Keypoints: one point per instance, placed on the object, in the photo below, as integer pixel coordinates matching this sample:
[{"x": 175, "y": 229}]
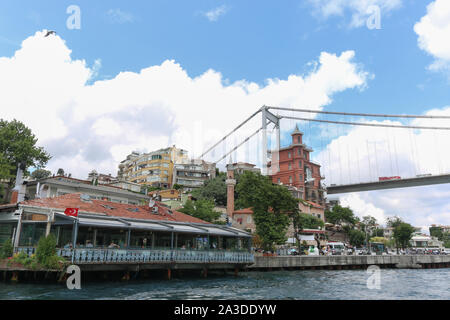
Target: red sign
[
  {"x": 389, "y": 178},
  {"x": 73, "y": 212}
]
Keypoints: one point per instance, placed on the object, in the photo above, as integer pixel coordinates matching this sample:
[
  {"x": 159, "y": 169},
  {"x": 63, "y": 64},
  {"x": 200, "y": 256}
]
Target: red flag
[{"x": 73, "y": 212}]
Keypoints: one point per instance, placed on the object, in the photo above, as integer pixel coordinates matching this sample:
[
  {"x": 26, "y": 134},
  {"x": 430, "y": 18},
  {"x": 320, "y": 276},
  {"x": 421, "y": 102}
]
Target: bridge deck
[{"x": 390, "y": 184}]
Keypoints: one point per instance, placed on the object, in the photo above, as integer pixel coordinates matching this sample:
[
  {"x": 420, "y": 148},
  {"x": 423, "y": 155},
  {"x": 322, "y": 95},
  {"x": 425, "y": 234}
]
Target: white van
[{"x": 336, "y": 248}]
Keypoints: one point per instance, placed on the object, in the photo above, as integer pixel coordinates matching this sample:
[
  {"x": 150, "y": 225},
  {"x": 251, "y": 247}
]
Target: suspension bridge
[{"x": 356, "y": 152}]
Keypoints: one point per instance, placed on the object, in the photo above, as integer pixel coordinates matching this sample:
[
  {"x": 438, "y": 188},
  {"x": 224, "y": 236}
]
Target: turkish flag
[{"x": 73, "y": 212}]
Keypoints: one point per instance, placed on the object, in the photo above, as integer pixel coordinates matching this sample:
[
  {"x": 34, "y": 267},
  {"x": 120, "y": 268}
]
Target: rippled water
[{"x": 314, "y": 284}]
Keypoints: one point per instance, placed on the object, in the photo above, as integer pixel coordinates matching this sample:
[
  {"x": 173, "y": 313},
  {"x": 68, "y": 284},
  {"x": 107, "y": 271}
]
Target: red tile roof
[
  {"x": 73, "y": 200},
  {"x": 315, "y": 205}
]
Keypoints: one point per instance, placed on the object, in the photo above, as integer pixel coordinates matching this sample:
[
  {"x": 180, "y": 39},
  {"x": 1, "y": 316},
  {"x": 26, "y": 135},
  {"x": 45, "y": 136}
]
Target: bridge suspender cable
[
  {"x": 365, "y": 114},
  {"x": 240, "y": 144},
  {"x": 234, "y": 130},
  {"x": 368, "y": 124}
]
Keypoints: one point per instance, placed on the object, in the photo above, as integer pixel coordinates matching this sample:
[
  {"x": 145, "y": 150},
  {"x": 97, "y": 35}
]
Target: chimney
[
  {"x": 230, "y": 182},
  {"x": 18, "y": 193}
]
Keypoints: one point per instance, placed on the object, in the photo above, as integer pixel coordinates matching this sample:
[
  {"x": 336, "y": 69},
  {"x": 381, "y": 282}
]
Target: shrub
[
  {"x": 46, "y": 253},
  {"x": 46, "y": 248},
  {"x": 6, "y": 250}
]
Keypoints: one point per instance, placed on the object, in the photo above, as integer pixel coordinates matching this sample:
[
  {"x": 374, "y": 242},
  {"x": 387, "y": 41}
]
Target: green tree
[
  {"x": 40, "y": 174},
  {"x": 272, "y": 207},
  {"x": 214, "y": 189},
  {"x": 402, "y": 232},
  {"x": 177, "y": 186},
  {"x": 437, "y": 232},
  {"x": 201, "y": 209},
  {"x": 18, "y": 146},
  {"x": 356, "y": 237},
  {"x": 339, "y": 215}
]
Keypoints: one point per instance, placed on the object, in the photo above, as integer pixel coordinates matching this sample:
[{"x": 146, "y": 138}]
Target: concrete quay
[{"x": 349, "y": 262}]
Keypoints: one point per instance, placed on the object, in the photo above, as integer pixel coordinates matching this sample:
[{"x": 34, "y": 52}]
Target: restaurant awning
[{"x": 152, "y": 225}]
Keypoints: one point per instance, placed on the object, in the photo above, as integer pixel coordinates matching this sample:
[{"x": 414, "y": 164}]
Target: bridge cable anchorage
[
  {"x": 369, "y": 124},
  {"x": 229, "y": 134},
  {"x": 363, "y": 114},
  {"x": 240, "y": 144}
]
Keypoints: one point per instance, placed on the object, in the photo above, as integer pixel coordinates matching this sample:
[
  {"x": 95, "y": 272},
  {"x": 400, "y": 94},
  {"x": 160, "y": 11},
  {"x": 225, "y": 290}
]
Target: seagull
[{"x": 49, "y": 32}]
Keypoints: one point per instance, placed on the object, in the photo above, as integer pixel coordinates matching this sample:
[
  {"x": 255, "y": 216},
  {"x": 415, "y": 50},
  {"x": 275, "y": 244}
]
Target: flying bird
[{"x": 49, "y": 32}]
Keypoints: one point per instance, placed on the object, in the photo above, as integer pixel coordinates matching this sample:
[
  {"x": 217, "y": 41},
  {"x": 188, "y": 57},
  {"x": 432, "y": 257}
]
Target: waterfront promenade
[{"x": 350, "y": 262}]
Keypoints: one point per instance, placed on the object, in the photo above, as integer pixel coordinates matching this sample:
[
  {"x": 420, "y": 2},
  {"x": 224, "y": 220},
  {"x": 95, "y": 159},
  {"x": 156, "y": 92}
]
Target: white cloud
[
  {"x": 362, "y": 208},
  {"x": 119, "y": 16},
  {"x": 364, "y": 154},
  {"x": 86, "y": 126},
  {"x": 359, "y": 9},
  {"x": 214, "y": 14},
  {"x": 433, "y": 30}
]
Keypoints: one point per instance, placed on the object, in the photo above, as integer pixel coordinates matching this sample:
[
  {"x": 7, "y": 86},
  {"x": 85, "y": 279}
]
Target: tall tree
[
  {"x": 214, "y": 189},
  {"x": 271, "y": 204},
  {"x": 402, "y": 232},
  {"x": 40, "y": 174},
  {"x": 339, "y": 215},
  {"x": 356, "y": 237},
  {"x": 18, "y": 146}
]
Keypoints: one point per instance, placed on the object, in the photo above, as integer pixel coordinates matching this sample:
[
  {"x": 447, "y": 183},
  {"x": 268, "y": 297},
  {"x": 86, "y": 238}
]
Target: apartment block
[
  {"x": 153, "y": 168},
  {"x": 193, "y": 174}
]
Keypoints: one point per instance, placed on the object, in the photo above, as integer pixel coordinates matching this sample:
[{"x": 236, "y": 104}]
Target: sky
[{"x": 122, "y": 76}]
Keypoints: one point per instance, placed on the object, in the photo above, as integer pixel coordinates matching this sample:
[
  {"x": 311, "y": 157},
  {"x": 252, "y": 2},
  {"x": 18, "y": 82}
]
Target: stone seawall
[{"x": 350, "y": 262}]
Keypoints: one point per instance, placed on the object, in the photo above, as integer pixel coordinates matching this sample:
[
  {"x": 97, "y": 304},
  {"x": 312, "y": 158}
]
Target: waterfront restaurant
[{"x": 105, "y": 231}]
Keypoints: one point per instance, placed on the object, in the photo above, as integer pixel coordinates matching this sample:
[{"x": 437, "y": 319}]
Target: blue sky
[
  {"x": 248, "y": 41},
  {"x": 175, "y": 43}
]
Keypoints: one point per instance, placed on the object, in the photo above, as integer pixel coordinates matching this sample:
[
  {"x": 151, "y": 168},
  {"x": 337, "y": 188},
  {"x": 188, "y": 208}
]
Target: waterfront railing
[{"x": 114, "y": 256}]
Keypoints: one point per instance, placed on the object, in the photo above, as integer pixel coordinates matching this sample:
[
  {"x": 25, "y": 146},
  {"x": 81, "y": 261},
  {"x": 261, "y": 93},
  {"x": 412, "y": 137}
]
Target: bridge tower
[{"x": 267, "y": 118}]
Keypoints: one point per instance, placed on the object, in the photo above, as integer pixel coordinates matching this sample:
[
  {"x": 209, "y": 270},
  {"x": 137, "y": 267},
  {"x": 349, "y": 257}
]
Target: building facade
[
  {"x": 59, "y": 185},
  {"x": 152, "y": 169},
  {"x": 193, "y": 174},
  {"x": 105, "y": 232},
  {"x": 297, "y": 170},
  {"x": 241, "y": 167}
]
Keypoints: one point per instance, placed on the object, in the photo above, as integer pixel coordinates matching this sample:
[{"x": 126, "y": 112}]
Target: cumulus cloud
[
  {"x": 215, "y": 14},
  {"x": 88, "y": 125},
  {"x": 433, "y": 31},
  {"x": 363, "y": 154},
  {"x": 360, "y": 10}
]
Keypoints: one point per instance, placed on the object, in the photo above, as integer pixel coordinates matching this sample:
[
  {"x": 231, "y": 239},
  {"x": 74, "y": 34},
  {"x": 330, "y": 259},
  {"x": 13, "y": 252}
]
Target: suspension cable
[
  {"x": 364, "y": 114},
  {"x": 240, "y": 144},
  {"x": 229, "y": 134},
  {"x": 369, "y": 124}
]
